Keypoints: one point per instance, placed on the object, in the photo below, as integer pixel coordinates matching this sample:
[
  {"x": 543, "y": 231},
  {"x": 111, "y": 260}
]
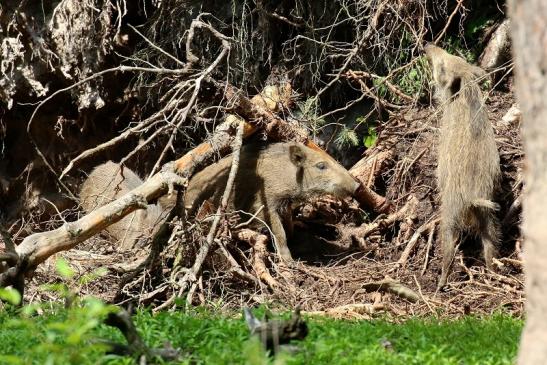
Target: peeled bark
[{"x": 529, "y": 19}]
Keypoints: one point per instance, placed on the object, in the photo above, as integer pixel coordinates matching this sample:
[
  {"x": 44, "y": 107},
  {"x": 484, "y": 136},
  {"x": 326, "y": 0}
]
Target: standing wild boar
[
  {"x": 275, "y": 178},
  {"x": 108, "y": 182},
  {"x": 468, "y": 169}
]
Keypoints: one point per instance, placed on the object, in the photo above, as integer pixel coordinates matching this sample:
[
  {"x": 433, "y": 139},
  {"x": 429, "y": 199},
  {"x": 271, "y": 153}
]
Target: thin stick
[
  {"x": 413, "y": 241},
  {"x": 427, "y": 249},
  {"x": 190, "y": 277},
  {"x": 441, "y": 34}
]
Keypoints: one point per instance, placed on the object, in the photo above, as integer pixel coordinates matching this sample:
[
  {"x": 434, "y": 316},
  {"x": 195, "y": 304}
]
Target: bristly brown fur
[
  {"x": 468, "y": 169},
  {"x": 108, "y": 182},
  {"x": 273, "y": 178}
]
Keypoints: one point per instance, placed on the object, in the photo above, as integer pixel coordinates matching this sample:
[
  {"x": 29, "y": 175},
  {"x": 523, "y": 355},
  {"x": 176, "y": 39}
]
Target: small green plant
[
  {"x": 346, "y": 138},
  {"x": 413, "y": 80},
  {"x": 10, "y": 296},
  {"x": 61, "y": 336},
  {"x": 308, "y": 110},
  {"x": 370, "y": 136}
]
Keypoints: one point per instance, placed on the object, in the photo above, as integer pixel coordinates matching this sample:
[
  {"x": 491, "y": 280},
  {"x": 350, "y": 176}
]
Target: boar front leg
[{"x": 280, "y": 238}]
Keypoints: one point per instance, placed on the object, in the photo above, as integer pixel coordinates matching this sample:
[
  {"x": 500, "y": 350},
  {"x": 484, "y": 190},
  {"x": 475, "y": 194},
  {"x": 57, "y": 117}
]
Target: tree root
[
  {"x": 358, "y": 234},
  {"x": 259, "y": 243},
  {"x": 413, "y": 241}
]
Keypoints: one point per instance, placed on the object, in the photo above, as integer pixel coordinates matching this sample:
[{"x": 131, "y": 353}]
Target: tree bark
[{"x": 529, "y": 20}]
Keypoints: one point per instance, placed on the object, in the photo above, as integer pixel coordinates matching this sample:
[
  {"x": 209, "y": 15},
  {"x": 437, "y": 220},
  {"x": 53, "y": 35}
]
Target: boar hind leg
[
  {"x": 448, "y": 241},
  {"x": 280, "y": 238},
  {"x": 489, "y": 238}
]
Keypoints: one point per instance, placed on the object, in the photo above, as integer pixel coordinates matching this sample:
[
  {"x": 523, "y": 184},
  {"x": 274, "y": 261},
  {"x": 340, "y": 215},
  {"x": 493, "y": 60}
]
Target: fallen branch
[
  {"x": 392, "y": 286},
  {"x": 37, "y": 247}
]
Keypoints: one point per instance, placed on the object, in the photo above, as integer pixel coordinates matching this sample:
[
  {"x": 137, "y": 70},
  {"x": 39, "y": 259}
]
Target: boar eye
[{"x": 321, "y": 165}]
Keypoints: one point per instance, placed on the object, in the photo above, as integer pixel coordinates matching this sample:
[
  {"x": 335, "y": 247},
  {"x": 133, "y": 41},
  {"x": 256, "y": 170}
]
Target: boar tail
[{"x": 485, "y": 203}]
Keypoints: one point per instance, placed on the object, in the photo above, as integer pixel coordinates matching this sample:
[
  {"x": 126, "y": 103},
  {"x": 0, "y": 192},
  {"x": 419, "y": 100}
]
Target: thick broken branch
[{"x": 37, "y": 247}]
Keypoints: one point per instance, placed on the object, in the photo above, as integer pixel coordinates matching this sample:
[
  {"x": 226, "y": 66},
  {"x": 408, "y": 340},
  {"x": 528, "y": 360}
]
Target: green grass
[{"x": 209, "y": 338}]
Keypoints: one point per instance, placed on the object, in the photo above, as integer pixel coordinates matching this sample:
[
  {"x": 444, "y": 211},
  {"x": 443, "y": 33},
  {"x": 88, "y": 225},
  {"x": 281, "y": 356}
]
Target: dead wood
[
  {"x": 392, "y": 286},
  {"x": 358, "y": 234},
  {"x": 513, "y": 115},
  {"x": 368, "y": 168},
  {"x": 498, "y": 49},
  {"x": 413, "y": 241},
  {"x": 259, "y": 243},
  {"x": 357, "y": 310},
  {"x": 37, "y": 247}
]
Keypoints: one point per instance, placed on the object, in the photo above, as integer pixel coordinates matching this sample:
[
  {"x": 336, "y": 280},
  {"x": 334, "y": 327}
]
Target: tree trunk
[{"x": 529, "y": 20}]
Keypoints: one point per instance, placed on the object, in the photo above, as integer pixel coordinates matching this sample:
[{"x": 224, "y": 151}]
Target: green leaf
[
  {"x": 64, "y": 269},
  {"x": 369, "y": 141},
  {"x": 10, "y": 295},
  {"x": 371, "y": 138}
]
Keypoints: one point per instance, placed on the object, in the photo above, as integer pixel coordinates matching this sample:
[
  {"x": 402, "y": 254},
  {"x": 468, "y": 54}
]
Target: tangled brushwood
[{"x": 166, "y": 88}]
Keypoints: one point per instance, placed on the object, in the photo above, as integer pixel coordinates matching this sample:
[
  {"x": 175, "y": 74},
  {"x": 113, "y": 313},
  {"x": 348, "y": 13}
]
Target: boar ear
[
  {"x": 478, "y": 72},
  {"x": 297, "y": 156}
]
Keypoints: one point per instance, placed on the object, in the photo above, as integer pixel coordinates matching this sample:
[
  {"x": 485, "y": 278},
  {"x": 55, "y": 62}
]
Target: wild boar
[
  {"x": 106, "y": 183},
  {"x": 271, "y": 180},
  {"x": 468, "y": 169}
]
